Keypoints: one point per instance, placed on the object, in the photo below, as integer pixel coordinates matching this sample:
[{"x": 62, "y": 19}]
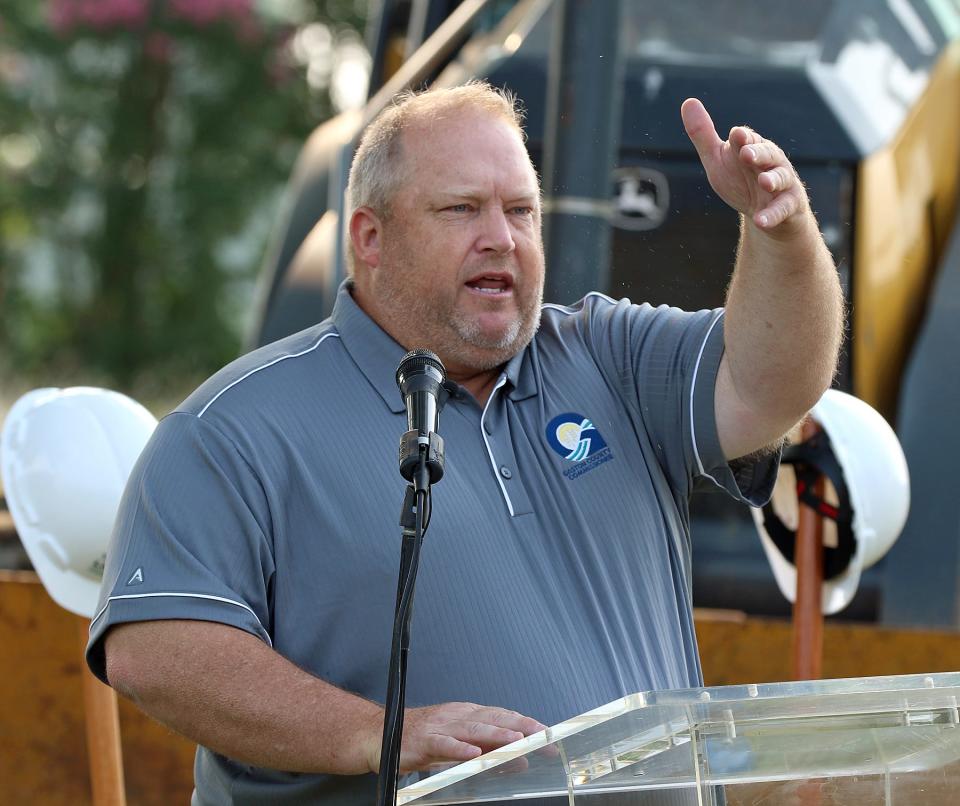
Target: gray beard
[
  {"x": 500, "y": 350},
  {"x": 412, "y": 313}
]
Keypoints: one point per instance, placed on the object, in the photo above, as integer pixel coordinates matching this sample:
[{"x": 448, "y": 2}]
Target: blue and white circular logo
[{"x": 574, "y": 437}]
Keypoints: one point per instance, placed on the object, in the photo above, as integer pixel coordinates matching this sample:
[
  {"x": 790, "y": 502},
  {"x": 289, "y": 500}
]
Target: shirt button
[
  {"x": 487, "y": 427},
  {"x": 505, "y": 472}
]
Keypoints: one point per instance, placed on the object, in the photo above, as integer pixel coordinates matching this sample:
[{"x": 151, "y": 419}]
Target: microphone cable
[{"x": 399, "y": 650}]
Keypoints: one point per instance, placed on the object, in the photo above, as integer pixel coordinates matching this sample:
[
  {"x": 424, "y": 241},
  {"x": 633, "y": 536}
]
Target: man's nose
[{"x": 496, "y": 234}]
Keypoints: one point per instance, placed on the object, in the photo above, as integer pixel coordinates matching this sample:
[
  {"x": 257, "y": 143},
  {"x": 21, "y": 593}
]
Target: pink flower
[
  {"x": 100, "y": 15},
  {"x": 65, "y": 16},
  {"x": 206, "y": 12}
]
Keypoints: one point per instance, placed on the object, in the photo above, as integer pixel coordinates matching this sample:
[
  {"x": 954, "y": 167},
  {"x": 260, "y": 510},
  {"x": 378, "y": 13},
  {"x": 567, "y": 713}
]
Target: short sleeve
[
  {"x": 749, "y": 479},
  {"x": 665, "y": 361},
  {"x": 191, "y": 539}
]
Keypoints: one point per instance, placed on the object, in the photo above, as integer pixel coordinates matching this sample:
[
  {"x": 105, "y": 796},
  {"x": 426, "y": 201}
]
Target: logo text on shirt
[{"x": 577, "y": 440}]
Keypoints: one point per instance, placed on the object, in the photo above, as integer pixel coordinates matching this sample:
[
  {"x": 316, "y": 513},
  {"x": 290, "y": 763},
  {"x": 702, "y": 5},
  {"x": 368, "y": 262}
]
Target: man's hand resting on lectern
[{"x": 451, "y": 732}]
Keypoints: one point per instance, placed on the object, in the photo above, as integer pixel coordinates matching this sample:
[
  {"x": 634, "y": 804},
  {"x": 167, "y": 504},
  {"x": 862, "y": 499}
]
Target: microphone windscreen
[{"x": 417, "y": 361}]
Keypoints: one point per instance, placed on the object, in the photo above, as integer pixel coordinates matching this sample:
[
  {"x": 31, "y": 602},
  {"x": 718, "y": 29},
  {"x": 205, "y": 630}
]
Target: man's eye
[
  {"x": 522, "y": 210},
  {"x": 459, "y": 208}
]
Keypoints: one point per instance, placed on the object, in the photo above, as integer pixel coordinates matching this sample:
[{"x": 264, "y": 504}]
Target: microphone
[
  {"x": 420, "y": 378},
  {"x": 422, "y": 381}
]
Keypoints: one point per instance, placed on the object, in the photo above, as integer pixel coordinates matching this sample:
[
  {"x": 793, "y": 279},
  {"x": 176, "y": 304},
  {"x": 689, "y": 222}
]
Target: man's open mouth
[{"x": 492, "y": 284}]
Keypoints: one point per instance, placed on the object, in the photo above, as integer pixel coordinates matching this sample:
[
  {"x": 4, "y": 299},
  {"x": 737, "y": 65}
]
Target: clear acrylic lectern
[{"x": 873, "y": 740}]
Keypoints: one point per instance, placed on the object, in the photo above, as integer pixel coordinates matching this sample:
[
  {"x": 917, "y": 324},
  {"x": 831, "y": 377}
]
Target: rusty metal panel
[
  {"x": 735, "y": 649},
  {"x": 44, "y": 758}
]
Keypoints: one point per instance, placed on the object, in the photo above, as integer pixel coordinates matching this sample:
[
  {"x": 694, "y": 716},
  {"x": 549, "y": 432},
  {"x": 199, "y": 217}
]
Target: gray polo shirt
[{"x": 555, "y": 575}]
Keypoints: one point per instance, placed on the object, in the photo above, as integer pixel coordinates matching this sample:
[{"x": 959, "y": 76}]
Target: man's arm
[
  {"x": 784, "y": 311},
  {"x": 228, "y": 691}
]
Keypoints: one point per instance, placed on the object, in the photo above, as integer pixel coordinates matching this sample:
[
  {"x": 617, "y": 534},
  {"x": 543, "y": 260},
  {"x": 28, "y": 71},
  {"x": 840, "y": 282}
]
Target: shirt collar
[
  {"x": 520, "y": 375},
  {"x": 373, "y": 351},
  {"x": 377, "y": 354}
]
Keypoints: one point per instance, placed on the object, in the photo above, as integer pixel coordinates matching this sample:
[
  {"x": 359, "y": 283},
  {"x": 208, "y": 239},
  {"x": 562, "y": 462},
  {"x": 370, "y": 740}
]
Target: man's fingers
[
  {"x": 762, "y": 154},
  {"x": 741, "y": 136},
  {"x": 495, "y": 727},
  {"x": 776, "y": 213},
  {"x": 459, "y": 731},
  {"x": 485, "y": 734},
  {"x": 421, "y": 749},
  {"x": 700, "y": 129},
  {"x": 449, "y": 748},
  {"x": 510, "y": 720},
  {"x": 776, "y": 180}
]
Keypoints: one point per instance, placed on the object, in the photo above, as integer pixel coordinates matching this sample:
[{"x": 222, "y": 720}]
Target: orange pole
[
  {"x": 807, "y": 609},
  {"x": 103, "y": 735}
]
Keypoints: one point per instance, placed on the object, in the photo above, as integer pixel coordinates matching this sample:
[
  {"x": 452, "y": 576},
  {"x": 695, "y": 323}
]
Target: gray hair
[{"x": 378, "y": 168}]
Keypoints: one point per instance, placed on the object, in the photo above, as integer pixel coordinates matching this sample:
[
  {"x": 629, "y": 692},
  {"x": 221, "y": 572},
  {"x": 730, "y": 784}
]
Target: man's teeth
[{"x": 489, "y": 285}]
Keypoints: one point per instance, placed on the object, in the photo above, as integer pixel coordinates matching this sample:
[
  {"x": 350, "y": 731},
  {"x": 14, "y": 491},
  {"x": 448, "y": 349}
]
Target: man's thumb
[{"x": 700, "y": 129}]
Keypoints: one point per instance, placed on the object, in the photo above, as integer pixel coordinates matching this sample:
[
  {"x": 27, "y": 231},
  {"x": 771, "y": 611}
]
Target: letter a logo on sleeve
[
  {"x": 136, "y": 578},
  {"x": 576, "y": 439}
]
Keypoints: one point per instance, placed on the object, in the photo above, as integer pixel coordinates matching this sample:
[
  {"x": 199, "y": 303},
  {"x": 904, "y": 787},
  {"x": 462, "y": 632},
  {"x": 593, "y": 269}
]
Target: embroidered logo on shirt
[
  {"x": 577, "y": 440},
  {"x": 136, "y": 578}
]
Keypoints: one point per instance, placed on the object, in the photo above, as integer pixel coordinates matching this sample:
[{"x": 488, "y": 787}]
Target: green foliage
[{"x": 142, "y": 156}]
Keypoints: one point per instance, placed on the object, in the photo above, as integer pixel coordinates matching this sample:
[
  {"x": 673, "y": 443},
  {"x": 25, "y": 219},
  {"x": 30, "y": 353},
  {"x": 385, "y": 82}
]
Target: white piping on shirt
[
  {"x": 483, "y": 433},
  {"x": 565, "y": 308},
  {"x": 693, "y": 391},
  {"x": 264, "y": 366},
  {"x": 181, "y": 595}
]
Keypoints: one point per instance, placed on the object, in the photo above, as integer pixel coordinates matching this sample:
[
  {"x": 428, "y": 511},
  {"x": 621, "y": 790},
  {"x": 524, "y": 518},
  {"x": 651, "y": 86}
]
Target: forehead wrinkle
[
  {"x": 476, "y": 193},
  {"x": 506, "y": 181}
]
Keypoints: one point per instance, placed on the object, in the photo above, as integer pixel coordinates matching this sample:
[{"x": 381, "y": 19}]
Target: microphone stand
[{"x": 414, "y": 519}]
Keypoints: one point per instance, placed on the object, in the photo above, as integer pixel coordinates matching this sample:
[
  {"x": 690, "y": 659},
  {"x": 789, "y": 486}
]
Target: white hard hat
[
  {"x": 861, "y": 458},
  {"x": 65, "y": 455}
]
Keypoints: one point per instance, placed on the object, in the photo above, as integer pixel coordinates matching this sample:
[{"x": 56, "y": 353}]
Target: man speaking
[{"x": 249, "y": 592}]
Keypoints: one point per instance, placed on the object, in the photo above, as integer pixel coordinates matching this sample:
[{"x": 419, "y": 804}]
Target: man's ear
[{"x": 366, "y": 229}]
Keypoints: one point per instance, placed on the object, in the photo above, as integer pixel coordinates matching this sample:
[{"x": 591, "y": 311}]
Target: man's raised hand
[{"x": 749, "y": 173}]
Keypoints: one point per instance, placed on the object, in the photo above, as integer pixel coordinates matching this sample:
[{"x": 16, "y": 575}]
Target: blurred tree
[{"x": 143, "y": 148}]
